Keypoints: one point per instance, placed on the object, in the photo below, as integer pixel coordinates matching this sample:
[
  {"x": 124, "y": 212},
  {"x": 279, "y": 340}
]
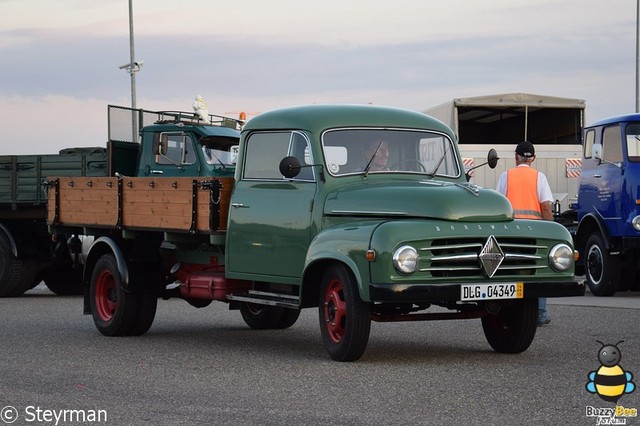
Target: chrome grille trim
[{"x": 460, "y": 257}]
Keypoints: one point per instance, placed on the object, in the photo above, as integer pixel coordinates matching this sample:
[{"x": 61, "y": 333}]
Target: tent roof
[{"x": 519, "y": 99}]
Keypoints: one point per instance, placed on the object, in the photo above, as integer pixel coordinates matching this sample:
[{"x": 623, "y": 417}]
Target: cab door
[
  {"x": 602, "y": 179},
  {"x": 174, "y": 156},
  {"x": 270, "y": 216}
]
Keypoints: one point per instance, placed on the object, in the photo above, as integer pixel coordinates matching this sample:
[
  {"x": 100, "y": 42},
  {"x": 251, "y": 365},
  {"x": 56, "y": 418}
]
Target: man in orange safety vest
[{"x": 530, "y": 196}]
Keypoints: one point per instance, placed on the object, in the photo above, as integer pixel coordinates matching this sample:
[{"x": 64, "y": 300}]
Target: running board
[{"x": 266, "y": 298}]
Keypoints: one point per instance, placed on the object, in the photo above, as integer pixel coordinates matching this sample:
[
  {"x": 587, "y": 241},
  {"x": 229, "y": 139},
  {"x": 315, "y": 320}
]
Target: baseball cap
[{"x": 525, "y": 149}]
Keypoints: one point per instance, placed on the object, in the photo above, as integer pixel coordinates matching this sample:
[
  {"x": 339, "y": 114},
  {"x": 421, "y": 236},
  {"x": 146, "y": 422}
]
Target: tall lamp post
[
  {"x": 132, "y": 68},
  {"x": 638, "y": 56}
]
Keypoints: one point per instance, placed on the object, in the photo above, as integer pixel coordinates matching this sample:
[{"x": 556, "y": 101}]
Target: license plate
[{"x": 491, "y": 291}]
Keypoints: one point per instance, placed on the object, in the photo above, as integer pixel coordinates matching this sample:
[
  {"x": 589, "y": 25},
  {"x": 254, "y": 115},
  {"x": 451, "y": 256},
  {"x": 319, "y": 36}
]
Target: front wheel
[
  {"x": 345, "y": 320},
  {"x": 601, "y": 269},
  {"x": 513, "y": 328}
]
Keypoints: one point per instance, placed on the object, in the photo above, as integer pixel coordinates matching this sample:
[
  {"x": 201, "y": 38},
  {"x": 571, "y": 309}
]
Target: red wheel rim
[
  {"x": 335, "y": 311},
  {"x": 106, "y": 296}
]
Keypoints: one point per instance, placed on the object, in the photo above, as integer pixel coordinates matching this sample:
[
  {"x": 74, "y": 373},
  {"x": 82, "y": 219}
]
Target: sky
[{"x": 60, "y": 59}]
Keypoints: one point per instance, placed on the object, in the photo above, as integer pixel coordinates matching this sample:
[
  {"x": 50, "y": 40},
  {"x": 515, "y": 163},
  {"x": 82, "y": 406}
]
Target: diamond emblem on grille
[{"x": 491, "y": 256}]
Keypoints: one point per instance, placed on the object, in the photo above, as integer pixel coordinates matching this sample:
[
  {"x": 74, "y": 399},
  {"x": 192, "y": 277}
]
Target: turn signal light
[{"x": 370, "y": 255}]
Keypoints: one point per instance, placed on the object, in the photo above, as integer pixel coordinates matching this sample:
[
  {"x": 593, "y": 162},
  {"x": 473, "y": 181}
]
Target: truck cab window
[
  {"x": 589, "y": 140},
  {"x": 612, "y": 144},
  {"x": 633, "y": 141},
  {"x": 266, "y": 150},
  {"x": 176, "y": 149}
]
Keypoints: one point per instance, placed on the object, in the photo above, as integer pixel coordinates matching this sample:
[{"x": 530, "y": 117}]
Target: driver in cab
[{"x": 376, "y": 156}]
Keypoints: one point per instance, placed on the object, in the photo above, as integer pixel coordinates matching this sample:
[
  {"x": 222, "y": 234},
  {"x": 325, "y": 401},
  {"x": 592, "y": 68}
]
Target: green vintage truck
[
  {"x": 360, "y": 211},
  {"x": 28, "y": 253}
]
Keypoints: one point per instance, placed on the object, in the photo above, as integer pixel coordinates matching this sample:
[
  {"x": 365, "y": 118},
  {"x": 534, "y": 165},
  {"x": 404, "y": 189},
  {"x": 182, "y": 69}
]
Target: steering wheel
[{"x": 420, "y": 167}]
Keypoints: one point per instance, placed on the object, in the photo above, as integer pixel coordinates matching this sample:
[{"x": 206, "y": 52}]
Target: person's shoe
[{"x": 545, "y": 322}]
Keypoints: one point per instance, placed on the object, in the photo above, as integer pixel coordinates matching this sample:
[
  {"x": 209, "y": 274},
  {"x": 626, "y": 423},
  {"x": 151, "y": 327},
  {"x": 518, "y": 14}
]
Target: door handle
[
  {"x": 239, "y": 206},
  {"x": 157, "y": 172},
  {"x": 597, "y": 176}
]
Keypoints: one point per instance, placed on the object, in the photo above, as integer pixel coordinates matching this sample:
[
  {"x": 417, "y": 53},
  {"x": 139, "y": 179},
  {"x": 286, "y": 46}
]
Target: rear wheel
[
  {"x": 16, "y": 275},
  {"x": 145, "y": 313},
  {"x": 345, "y": 320},
  {"x": 601, "y": 269},
  {"x": 513, "y": 328},
  {"x": 64, "y": 281},
  {"x": 260, "y": 317},
  {"x": 288, "y": 318},
  {"x": 113, "y": 310}
]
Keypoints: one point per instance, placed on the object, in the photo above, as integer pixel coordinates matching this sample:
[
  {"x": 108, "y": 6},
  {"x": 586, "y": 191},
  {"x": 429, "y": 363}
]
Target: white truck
[{"x": 553, "y": 124}]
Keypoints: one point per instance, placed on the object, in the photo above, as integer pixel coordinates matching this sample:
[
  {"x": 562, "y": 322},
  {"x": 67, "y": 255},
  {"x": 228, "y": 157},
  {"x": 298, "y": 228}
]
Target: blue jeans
[{"x": 542, "y": 309}]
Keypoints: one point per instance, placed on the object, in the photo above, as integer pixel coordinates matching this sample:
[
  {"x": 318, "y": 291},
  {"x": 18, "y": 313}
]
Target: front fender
[
  {"x": 588, "y": 224},
  {"x": 346, "y": 244}
]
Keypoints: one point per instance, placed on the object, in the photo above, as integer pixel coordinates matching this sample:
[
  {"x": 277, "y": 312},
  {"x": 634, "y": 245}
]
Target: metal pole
[
  {"x": 132, "y": 72},
  {"x": 637, "y": 56}
]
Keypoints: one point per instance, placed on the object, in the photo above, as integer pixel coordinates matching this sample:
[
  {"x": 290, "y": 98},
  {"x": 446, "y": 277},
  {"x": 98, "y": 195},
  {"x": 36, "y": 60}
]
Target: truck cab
[
  {"x": 608, "y": 206},
  {"x": 171, "y": 143}
]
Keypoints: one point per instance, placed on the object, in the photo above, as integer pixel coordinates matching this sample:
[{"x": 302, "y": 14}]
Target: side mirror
[
  {"x": 492, "y": 161},
  {"x": 290, "y": 167},
  {"x": 160, "y": 145},
  {"x": 492, "y": 158},
  {"x": 597, "y": 151}
]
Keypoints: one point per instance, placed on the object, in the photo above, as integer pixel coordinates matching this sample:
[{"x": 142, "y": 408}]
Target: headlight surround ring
[
  {"x": 405, "y": 260},
  {"x": 561, "y": 257}
]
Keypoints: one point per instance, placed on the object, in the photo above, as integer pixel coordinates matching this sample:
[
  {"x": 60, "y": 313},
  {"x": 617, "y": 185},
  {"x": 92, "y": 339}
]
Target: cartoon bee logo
[{"x": 610, "y": 381}]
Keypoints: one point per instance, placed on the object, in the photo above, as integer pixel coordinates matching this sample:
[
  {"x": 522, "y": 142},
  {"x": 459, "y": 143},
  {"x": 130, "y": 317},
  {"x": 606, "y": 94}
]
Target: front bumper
[{"x": 450, "y": 292}]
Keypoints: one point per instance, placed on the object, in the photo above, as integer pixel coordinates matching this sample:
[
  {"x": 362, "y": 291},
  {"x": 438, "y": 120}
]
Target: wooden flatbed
[{"x": 189, "y": 205}]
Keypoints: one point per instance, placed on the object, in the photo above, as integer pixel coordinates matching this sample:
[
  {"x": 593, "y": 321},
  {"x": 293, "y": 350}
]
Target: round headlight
[
  {"x": 405, "y": 260},
  {"x": 636, "y": 223},
  {"x": 561, "y": 257}
]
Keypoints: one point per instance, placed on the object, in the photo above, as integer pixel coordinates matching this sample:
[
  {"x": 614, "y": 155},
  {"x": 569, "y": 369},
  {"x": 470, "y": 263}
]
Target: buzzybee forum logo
[{"x": 610, "y": 382}]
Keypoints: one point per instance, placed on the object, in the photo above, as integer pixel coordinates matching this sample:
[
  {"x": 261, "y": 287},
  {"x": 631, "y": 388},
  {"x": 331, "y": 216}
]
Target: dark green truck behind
[{"x": 29, "y": 253}]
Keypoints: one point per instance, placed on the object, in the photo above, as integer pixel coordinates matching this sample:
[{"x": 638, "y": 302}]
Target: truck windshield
[
  {"x": 633, "y": 142},
  {"x": 370, "y": 150},
  {"x": 220, "y": 151}
]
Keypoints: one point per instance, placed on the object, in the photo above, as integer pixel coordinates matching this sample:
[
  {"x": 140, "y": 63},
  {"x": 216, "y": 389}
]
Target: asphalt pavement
[{"x": 206, "y": 367}]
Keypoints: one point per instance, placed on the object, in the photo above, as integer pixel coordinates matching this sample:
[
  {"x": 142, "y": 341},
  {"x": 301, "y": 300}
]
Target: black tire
[
  {"x": 345, "y": 320},
  {"x": 145, "y": 314},
  {"x": 260, "y": 317},
  {"x": 512, "y": 329},
  {"x": 16, "y": 275},
  {"x": 601, "y": 269},
  {"x": 113, "y": 310},
  {"x": 64, "y": 281},
  {"x": 287, "y": 319}
]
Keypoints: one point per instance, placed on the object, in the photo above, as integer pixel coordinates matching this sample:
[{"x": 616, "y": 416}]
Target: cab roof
[
  {"x": 317, "y": 118},
  {"x": 627, "y": 118}
]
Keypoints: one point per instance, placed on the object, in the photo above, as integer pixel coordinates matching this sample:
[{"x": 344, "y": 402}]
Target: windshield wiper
[
  {"x": 433, "y": 173},
  {"x": 211, "y": 154},
  {"x": 366, "y": 169}
]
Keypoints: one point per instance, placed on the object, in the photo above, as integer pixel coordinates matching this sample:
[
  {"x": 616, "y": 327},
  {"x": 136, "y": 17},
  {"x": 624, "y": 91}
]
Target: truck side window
[
  {"x": 633, "y": 142},
  {"x": 177, "y": 149},
  {"x": 266, "y": 150},
  {"x": 589, "y": 140},
  {"x": 612, "y": 144}
]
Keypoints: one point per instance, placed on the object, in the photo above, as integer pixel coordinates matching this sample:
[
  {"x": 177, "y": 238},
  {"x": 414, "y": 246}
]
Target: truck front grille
[{"x": 460, "y": 257}]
